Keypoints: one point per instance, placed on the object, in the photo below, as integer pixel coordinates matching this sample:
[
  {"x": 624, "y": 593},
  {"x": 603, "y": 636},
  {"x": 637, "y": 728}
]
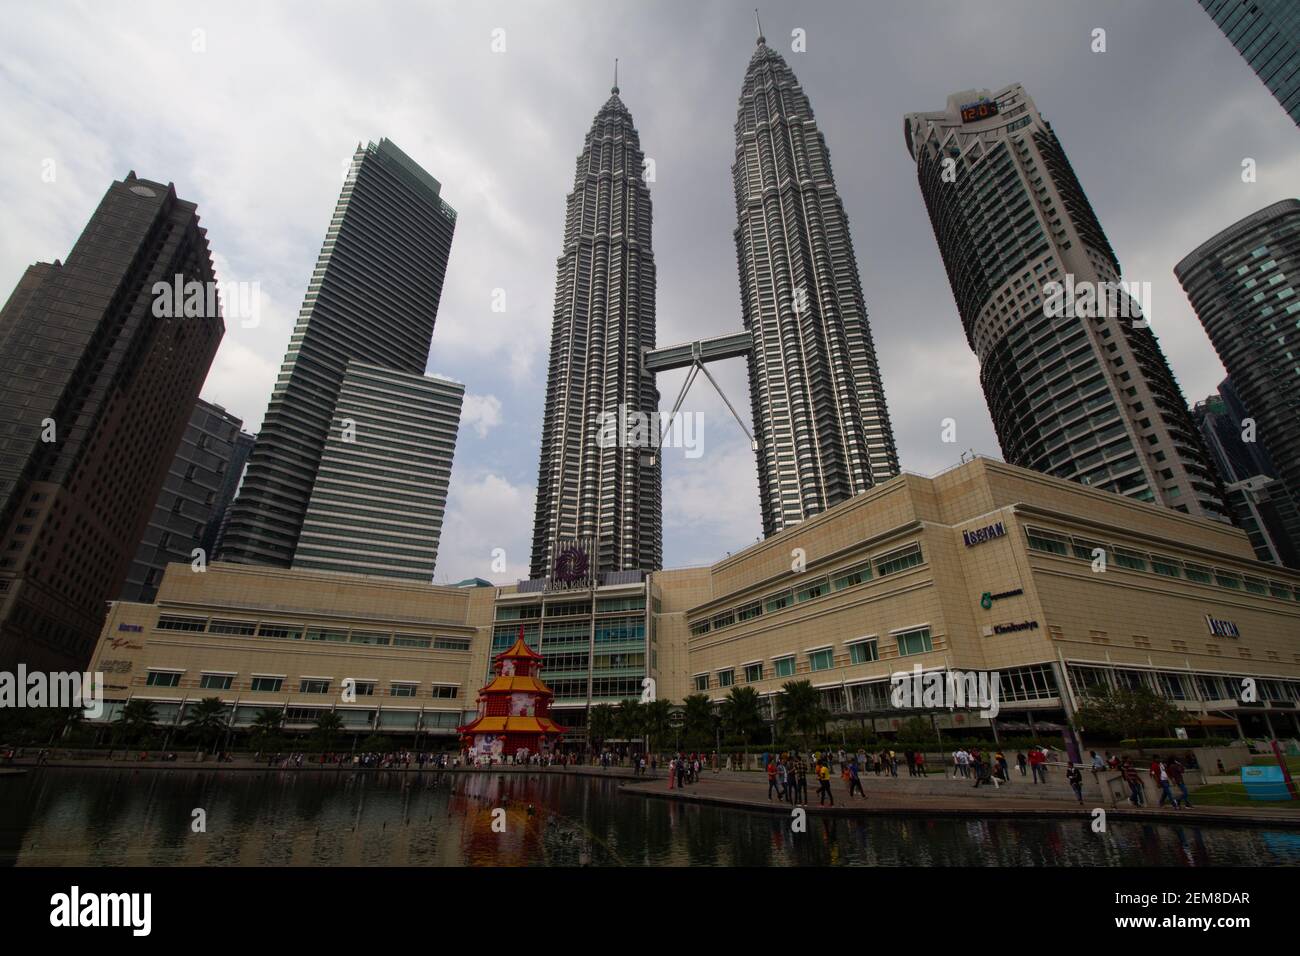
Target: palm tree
[
  {"x": 328, "y": 726},
  {"x": 207, "y": 721},
  {"x": 266, "y": 725},
  {"x": 137, "y": 718},
  {"x": 601, "y": 723},
  {"x": 801, "y": 706},
  {"x": 657, "y": 723},
  {"x": 697, "y": 724},
  {"x": 629, "y": 719},
  {"x": 742, "y": 713}
]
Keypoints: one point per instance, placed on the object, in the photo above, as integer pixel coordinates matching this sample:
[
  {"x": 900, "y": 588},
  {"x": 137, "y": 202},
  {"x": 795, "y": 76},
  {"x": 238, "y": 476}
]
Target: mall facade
[{"x": 986, "y": 567}]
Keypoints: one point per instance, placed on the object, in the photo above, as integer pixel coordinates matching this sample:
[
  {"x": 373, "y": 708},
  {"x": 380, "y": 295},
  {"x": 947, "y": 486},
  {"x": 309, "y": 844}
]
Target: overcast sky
[{"x": 255, "y": 116}]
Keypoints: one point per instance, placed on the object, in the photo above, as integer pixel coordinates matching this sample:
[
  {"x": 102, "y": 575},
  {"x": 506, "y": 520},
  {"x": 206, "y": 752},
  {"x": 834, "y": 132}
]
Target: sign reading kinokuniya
[
  {"x": 980, "y": 535},
  {"x": 1221, "y": 628}
]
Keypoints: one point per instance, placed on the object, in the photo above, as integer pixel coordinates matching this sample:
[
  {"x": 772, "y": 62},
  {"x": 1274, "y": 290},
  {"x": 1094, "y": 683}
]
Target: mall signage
[
  {"x": 1012, "y": 628},
  {"x": 988, "y": 597},
  {"x": 980, "y": 535}
]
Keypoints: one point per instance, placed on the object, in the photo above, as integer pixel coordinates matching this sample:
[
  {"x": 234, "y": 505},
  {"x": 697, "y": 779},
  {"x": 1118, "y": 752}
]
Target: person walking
[
  {"x": 1073, "y": 775},
  {"x": 801, "y": 779},
  {"x": 824, "y": 784},
  {"x": 1136, "y": 796},
  {"x": 783, "y": 777},
  {"x": 1162, "y": 778},
  {"x": 1035, "y": 762},
  {"x": 920, "y": 764},
  {"x": 1174, "y": 769},
  {"x": 771, "y": 781},
  {"x": 1020, "y": 762},
  {"x": 854, "y": 782}
]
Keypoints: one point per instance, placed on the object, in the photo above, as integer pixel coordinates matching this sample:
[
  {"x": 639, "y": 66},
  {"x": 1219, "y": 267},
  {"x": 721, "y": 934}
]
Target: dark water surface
[{"x": 312, "y": 818}]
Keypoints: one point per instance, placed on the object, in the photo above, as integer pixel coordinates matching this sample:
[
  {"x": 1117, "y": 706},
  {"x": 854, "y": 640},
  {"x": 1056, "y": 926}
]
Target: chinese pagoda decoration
[{"x": 513, "y": 709}]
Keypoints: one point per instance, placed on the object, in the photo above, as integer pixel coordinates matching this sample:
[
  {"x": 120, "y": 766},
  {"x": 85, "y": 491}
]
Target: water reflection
[{"x": 143, "y": 817}]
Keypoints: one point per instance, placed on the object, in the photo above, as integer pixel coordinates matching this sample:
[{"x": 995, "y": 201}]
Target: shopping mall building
[{"x": 1054, "y": 586}]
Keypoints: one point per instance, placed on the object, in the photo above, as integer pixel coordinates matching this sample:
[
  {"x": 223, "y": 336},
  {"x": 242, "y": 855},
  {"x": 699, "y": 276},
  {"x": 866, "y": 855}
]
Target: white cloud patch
[
  {"x": 482, "y": 412},
  {"x": 486, "y": 513}
]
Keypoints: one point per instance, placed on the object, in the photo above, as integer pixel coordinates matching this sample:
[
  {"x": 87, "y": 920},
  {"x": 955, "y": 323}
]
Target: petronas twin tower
[{"x": 821, "y": 429}]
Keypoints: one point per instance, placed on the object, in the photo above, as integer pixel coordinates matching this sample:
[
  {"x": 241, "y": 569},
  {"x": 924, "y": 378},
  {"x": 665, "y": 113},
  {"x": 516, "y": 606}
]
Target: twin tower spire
[{"x": 821, "y": 429}]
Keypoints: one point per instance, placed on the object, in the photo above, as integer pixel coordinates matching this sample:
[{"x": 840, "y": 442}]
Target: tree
[
  {"x": 137, "y": 718},
  {"x": 916, "y": 733},
  {"x": 742, "y": 713},
  {"x": 801, "y": 708},
  {"x": 206, "y": 720},
  {"x": 328, "y": 726},
  {"x": 601, "y": 723},
  {"x": 697, "y": 724},
  {"x": 657, "y": 724},
  {"x": 629, "y": 719},
  {"x": 1125, "y": 712},
  {"x": 266, "y": 726}
]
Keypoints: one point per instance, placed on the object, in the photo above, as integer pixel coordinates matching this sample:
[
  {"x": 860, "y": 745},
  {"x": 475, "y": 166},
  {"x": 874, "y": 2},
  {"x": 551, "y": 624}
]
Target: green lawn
[
  {"x": 1231, "y": 795},
  {"x": 1268, "y": 760}
]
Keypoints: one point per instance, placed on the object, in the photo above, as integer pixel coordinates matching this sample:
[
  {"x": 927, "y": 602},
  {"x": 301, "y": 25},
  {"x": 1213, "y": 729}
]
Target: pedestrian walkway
[{"x": 885, "y": 797}]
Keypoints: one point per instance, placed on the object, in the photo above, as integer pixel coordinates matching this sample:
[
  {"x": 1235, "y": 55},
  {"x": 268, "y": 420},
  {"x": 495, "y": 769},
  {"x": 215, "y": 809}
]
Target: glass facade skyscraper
[
  {"x": 1244, "y": 285},
  {"x": 1267, "y": 35},
  {"x": 101, "y": 375},
  {"x": 820, "y": 422},
  {"x": 373, "y": 298},
  {"x": 1075, "y": 381},
  {"x": 593, "y": 484}
]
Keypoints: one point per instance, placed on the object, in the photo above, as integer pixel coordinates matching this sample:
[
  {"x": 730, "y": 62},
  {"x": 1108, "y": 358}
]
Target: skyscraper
[
  {"x": 593, "y": 484},
  {"x": 101, "y": 375},
  {"x": 373, "y": 298},
  {"x": 190, "y": 500},
  {"x": 1075, "y": 381},
  {"x": 820, "y": 422},
  {"x": 1267, "y": 35},
  {"x": 1244, "y": 285},
  {"x": 381, "y": 489}
]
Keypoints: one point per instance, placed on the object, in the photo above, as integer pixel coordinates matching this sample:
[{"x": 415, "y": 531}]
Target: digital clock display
[{"x": 973, "y": 112}]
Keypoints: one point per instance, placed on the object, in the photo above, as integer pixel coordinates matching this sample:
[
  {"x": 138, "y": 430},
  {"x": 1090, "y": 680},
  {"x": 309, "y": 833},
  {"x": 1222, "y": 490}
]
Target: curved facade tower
[
  {"x": 1076, "y": 384},
  {"x": 820, "y": 421},
  {"x": 593, "y": 484}
]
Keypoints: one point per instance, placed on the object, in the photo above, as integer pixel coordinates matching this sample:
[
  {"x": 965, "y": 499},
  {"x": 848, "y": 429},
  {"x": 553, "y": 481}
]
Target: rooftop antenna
[
  {"x": 615, "y": 89},
  {"x": 759, "y": 23}
]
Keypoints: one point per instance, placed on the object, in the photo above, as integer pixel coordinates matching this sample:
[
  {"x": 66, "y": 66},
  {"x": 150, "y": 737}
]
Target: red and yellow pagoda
[{"x": 513, "y": 708}]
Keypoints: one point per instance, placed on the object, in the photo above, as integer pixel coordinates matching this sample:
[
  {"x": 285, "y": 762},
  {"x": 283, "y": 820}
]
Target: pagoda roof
[
  {"x": 509, "y": 685},
  {"x": 519, "y": 650},
  {"x": 511, "y": 725}
]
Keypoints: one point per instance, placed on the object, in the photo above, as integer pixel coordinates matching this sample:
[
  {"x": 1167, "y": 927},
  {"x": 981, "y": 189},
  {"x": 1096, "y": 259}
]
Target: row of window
[
  {"x": 885, "y": 564},
  {"x": 1053, "y": 542},
  {"x": 863, "y": 650},
  {"x": 307, "y": 685},
  {"x": 299, "y": 632},
  {"x": 1183, "y": 686},
  {"x": 527, "y": 612}
]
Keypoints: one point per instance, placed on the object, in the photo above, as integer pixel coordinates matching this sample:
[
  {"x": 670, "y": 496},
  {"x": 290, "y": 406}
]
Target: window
[
  {"x": 699, "y": 628},
  {"x": 445, "y": 691},
  {"x": 778, "y": 601},
  {"x": 726, "y": 678},
  {"x": 899, "y": 560},
  {"x": 701, "y": 682},
  {"x": 784, "y": 666},
  {"x": 364, "y": 688},
  {"x": 313, "y": 685},
  {"x": 172, "y": 622},
  {"x": 370, "y": 637},
  {"x": 1166, "y": 566},
  {"x": 216, "y": 681},
  {"x": 1197, "y": 573},
  {"x": 519, "y": 612},
  {"x": 863, "y": 652},
  {"x": 914, "y": 642},
  {"x": 810, "y": 591},
  {"x": 269, "y": 684},
  {"x": 327, "y": 634},
  {"x": 1132, "y": 560},
  {"x": 402, "y": 690},
  {"x": 605, "y": 605},
  {"x": 245, "y": 628},
  {"x": 411, "y": 640},
  {"x": 1256, "y": 586},
  {"x": 284, "y": 632},
  {"x": 1048, "y": 541},
  {"x": 850, "y": 576},
  {"x": 822, "y": 660},
  {"x": 1226, "y": 579},
  {"x": 725, "y": 619},
  {"x": 1084, "y": 548},
  {"x": 753, "y": 673},
  {"x": 1279, "y": 590},
  {"x": 451, "y": 643},
  {"x": 163, "y": 679}
]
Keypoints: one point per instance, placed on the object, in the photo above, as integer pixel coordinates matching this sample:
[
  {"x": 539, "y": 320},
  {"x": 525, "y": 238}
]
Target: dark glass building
[
  {"x": 373, "y": 298},
  {"x": 1267, "y": 35},
  {"x": 1076, "y": 383},
  {"x": 1244, "y": 285},
  {"x": 599, "y": 491},
  {"x": 101, "y": 375},
  {"x": 191, "y": 501},
  {"x": 820, "y": 422}
]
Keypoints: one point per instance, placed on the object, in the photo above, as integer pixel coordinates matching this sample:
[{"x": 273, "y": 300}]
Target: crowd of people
[{"x": 1165, "y": 773}]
